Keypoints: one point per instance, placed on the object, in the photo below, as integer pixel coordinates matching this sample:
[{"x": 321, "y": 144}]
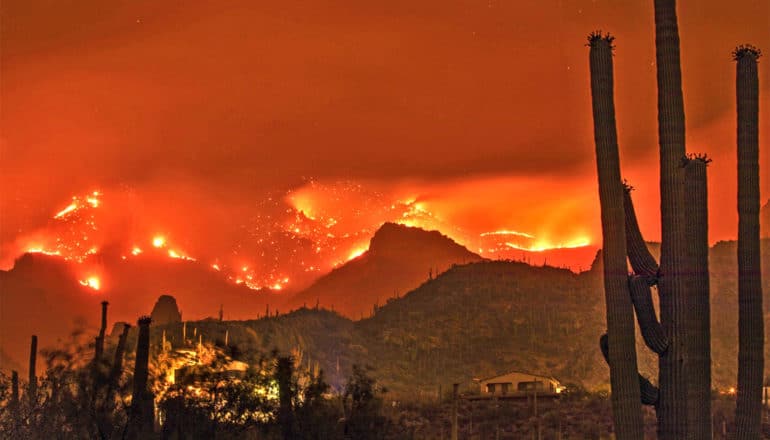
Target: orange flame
[{"x": 92, "y": 282}]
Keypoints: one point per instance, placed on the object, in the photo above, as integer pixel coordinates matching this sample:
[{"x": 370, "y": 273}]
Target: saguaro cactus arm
[
  {"x": 649, "y": 393},
  {"x": 639, "y": 255},
  {"x": 652, "y": 332}
]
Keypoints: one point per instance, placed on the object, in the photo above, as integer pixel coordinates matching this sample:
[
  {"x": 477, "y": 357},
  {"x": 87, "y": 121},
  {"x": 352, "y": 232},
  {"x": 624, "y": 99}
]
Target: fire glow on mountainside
[{"x": 297, "y": 236}]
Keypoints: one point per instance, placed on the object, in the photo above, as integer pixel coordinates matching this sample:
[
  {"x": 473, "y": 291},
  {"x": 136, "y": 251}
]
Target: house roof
[{"x": 524, "y": 373}]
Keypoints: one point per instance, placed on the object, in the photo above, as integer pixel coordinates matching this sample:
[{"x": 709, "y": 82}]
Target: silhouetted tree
[{"x": 363, "y": 407}]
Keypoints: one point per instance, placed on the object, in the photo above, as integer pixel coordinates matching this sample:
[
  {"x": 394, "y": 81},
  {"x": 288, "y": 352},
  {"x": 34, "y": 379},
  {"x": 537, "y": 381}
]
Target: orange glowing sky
[{"x": 214, "y": 125}]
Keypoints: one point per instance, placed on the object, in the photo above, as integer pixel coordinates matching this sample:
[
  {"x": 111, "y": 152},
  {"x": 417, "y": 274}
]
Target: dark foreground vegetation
[{"x": 201, "y": 391}]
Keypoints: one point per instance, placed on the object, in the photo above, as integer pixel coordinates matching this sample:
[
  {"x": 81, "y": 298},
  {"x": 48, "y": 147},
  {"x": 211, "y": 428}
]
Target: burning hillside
[{"x": 284, "y": 241}]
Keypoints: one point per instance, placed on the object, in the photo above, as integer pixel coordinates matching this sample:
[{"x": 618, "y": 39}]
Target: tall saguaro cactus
[
  {"x": 626, "y": 404},
  {"x": 140, "y": 420},
  {"x": 672, "y": 414},
  {"x": 748, "y": 411}
]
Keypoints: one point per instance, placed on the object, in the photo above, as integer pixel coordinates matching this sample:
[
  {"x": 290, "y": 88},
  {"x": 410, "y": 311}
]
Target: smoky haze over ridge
[{"x": 216, "y": 108}]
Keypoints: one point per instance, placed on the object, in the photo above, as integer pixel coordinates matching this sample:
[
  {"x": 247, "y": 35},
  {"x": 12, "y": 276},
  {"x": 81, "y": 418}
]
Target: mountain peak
[
  {"x": 399, "y": 259},
  {"x": 393, "y": 239}
]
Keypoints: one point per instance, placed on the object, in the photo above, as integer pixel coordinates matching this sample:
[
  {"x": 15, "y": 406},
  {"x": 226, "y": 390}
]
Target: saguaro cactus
[
  {"x": 748, "y": 411},
  {"x": 283, "y": 374},
  {"x": 141, "y": 415},
  {"x": 117, "y": 363},
  {"x": 99, "y": 350},
  {"x": 32, "y": 385},
  {"x": 672, "y": 414},
  {"x": 698, "y": 312},
  {"x": 14, "y": 390},
  {"x": 626, "y": 405}
]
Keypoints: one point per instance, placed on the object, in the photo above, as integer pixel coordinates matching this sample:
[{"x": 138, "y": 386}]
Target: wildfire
[
  {"x": 506, "y": 232},
  {"x": 92, "y": 282},
  {"x": 357, "y": 253},
  {"x": 37, "y": 250},
  {"x": 72, "y": 206},
  {"x": 544, "y": 245},
  {"x": 91, "y": 200},
  {"x": 174, "y": 254},
  {"x": 301, "y": 233}
]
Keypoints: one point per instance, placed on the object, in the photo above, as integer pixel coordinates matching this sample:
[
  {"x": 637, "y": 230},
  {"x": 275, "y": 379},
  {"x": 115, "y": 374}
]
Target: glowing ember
[
  {"x": 158, "y": 241},
  {"x": 136, "y": 251},
  {"x": 92, "y": 282}
]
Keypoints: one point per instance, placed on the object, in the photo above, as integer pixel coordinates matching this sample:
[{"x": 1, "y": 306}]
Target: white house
[{"x": 517, "y": 383}]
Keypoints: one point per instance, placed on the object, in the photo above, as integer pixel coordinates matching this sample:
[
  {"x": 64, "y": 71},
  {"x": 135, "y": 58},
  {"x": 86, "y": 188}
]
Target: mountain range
[{"x": 433, "y": 311}]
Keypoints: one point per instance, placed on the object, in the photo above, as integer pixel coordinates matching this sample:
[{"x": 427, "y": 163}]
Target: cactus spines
[
  {"x": 141, "y": 415},
  {"x": 626, "y": 406},
  {"x": 652, "y": 331},
  {"x": 746, "y": 50},
  {"x": 32, "y": 385},
  {"x": 750, "y": 323},
  {"x": 642, "y": 261},
  {"x": 698, "y": 311}
]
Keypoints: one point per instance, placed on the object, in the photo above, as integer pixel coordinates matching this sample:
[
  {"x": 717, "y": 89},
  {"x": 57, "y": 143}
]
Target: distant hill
[
  {"x": 43, "y": 295},
  {"x": 399, "y": 259}
]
